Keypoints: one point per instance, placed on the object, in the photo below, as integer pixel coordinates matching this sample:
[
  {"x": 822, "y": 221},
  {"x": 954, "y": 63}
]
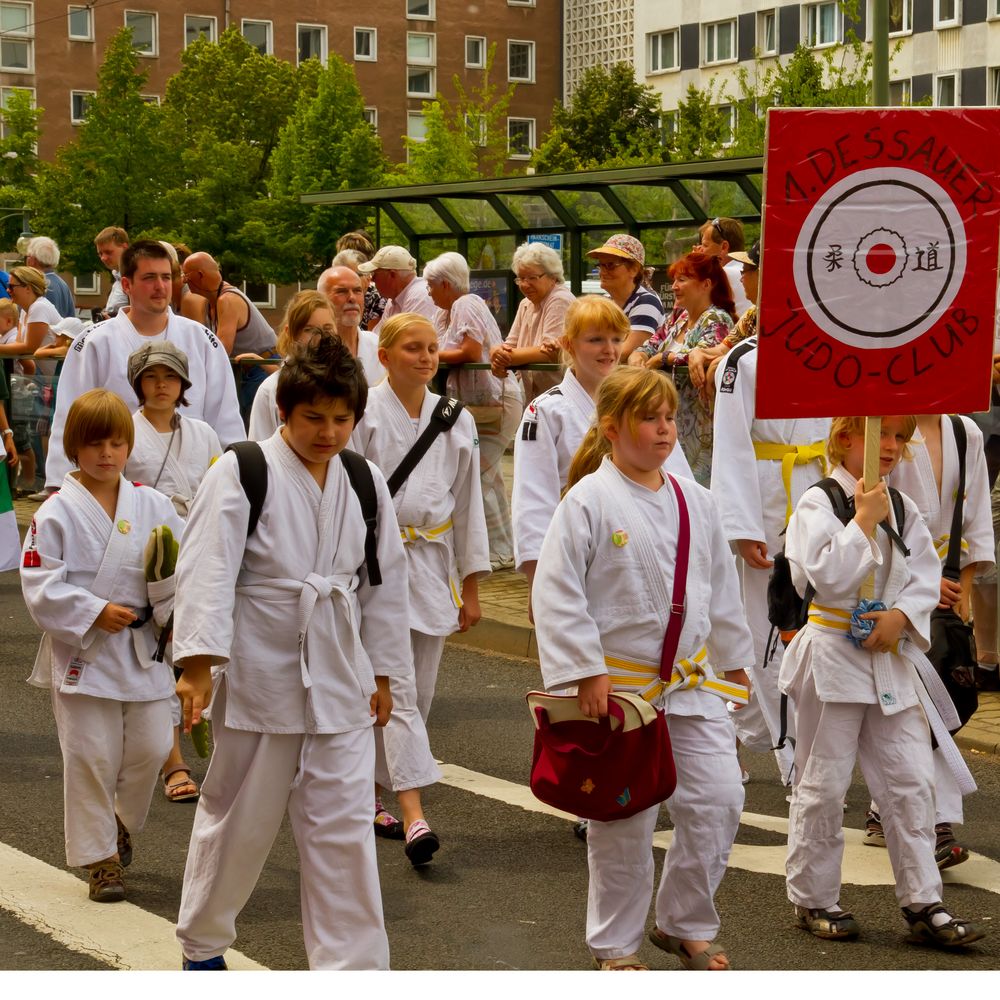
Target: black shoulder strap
[
  {"x": 732, "y": 362},
  {"x": 837, "y": 497},
  {"x": 843, "y": 507},
  {"x": 442, "y": 419},
  {"x": 951, "y": 570},
  {"x": 253, "y": 477},
  {"x": 899, "y": 512},
  {"x": 363, "y": 484}
]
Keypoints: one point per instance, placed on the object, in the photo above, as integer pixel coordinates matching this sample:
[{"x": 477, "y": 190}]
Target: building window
[
  {"x": 900, "y": 93},
  {"x": 720, "y": 42},
  {"x": 366, "y": 44},
  {"x": 150, "y": 99},
  {"x": 258, "y": 34},
  {"x": 420, "y": 48},
  {"x": 312, "y": 42},
  {"x": 822, "y": 24},
  {"x": 419, "y": 81},
  {"x": 261, "y": 294},
  {"x": 78, "y": 102},
  {"x": 946, "y": 91},
  {"x": 727, "y": 132},
  {"x": 993, "y": 94},
  {"x": 475, "y": 51},
  {"x": 767, "y": 33},
  {"x": 5, "y": 95},
  {"x": 994, "y": 8},
  {"x": 81, "y": 24},
  {"x": 900, "y": 17},
  {"x": 371, "y": 116},
  {"x": 946, "y": 13},
  {"x": 477, "y": 129},
  {"x": 521, "y": 62},
  {"x": 143, "y": 27},
  {"x": 416, "y": 127},
  {"x": 199, "y": 26},
  {"x": 664, "y": 51},
  {"x": 87, "y": 284},
  {"x": 17, "y": 23},
  {"x": 520, "y": 138},
  {"x": 420, "y": 8},
  {"x": 520, "y": 3}
]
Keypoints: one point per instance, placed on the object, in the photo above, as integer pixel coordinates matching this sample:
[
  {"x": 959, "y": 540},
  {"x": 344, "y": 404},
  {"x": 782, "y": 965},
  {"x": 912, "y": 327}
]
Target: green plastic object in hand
[
  {"x": 201, "y": 738},
  {"x": 160, "y": 555}
]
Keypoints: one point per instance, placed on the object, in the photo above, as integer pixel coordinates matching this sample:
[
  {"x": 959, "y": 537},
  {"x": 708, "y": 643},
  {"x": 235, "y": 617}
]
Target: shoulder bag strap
[
  {"x": 445, "y": 414},
  {"x": 952, "y": 569},
  {"x": 672, "y": 637}
]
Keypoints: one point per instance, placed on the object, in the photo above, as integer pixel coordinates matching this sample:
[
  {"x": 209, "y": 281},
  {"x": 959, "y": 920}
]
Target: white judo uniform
[
  {"x": 760, "y": 468},
  {"x": 552, "y": 428},
  {"x": 852, "y": 704},
  {"x": 174, "y": 464},
  {"x": 915, "y": 478},
  {"x": 603, "y": 608},
  {"x": 295, "y": 627},
  {"x": 98, "y": 358},
  {"x": 111, "y": 701},
  {"x": 440, "y": 513}
]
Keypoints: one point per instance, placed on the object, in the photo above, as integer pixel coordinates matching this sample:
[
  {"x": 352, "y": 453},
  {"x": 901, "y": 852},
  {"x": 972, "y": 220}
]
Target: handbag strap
[
  {"x": 951, "y": 569},
  {"x": 672, "y": 637},
  {"x": 443, "y": 418}
]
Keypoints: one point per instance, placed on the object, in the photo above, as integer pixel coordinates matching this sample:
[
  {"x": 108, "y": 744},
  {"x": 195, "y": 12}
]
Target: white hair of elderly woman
[
  {"x": 349, "y": 258},
  {"x": 451, "y": 267},
  {"x": 541, "y": 256}
]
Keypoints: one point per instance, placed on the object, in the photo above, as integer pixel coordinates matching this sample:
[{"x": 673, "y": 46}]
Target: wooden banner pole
[{"x": 873, "y": 439}]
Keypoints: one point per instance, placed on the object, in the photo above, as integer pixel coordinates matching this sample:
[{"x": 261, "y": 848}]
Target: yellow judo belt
[
  {"x": 790, "y": 455},
  {"x": 410, "y": 534},
  {"x": 835, "y": 620},
  {"x": 941, "y": 546},
  {"x": 645, "y": 678}
]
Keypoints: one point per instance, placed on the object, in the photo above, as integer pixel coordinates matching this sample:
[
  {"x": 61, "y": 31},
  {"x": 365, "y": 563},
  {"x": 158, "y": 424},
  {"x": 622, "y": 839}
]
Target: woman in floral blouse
[{"x": 703, "y": 316}]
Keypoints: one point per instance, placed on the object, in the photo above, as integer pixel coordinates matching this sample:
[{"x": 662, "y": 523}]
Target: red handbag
[{"x": 613, "y": 767}]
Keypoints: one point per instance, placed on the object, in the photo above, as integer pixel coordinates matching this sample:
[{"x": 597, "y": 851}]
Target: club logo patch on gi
[
  {"x": 728, "y": 380},
  {"x": 888, "y": 698},
  {"x": 620, "y": 538},
  {"x": 587, "y": 787},
  {"x": 74, "y": 672},
  {"x": 625, "y": 798},
  {"x": 123, "y": 526}
]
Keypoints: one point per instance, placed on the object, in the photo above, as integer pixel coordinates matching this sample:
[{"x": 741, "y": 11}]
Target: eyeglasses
[
  {"x": 529, "y": 278},
  {"x": 14, "y": 284},
  {"x": 609, "y": 265},
  {"x": 318, "y": 331}
]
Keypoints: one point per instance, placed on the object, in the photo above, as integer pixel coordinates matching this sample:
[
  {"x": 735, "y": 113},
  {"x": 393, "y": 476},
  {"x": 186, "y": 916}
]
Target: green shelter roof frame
[{"x": 551, "y": 203}]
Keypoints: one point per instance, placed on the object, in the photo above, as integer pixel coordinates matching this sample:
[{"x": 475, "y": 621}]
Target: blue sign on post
[{"x": 551, "y": 240}]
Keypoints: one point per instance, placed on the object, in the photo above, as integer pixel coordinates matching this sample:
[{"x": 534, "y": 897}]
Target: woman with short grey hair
[{"x": 535, "y": 334}]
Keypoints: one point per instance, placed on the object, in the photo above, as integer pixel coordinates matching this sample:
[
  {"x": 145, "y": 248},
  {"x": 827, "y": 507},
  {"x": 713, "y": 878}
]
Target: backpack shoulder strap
[
  {"x": 253, "y": 477},
  {"x": 363, "y": 483},
  {"x": 442, "y": 419},
  {"x": 952, "y": 564},
  {"x": 837, "y": 497},
  {"x": 731, "y": 369}
]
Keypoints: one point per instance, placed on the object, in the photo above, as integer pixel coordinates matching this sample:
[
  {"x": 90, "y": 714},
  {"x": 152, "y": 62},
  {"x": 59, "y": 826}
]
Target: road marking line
[
  {"x": 119, "y": 934},
  {"x": 862, "y": 865}
]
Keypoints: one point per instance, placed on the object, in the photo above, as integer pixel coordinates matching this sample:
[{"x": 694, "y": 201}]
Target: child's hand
[
  {"x": 113, "y": 618},
  {"x": 738, "y": 677},
  {"x": 754, "y": 553},
  {"x": 194, "y": 689},
  {"x": 889, "y": 627},
  {"x": 381, "y": 703},
  {"x": 870, "y": 507},
  {"x": 470, "y": 612},
  {"x": 951, "y": 593},
  {"x": 592, "y": 695}
]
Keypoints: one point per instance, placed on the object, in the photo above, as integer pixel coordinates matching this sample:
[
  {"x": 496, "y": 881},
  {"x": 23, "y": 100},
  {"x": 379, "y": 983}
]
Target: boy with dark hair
[{"x": 290, "y": 622}]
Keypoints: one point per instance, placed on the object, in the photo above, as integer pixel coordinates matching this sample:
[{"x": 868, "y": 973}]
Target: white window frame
[
  {"x": 373, "y": 46},
  {"x": 323, "y": 45},
  {"x": 520, "y": 3},
  {"x": 432, "y": 76},
  {"x": 956, "y": 77},
  {"x": 272, "y": 296},
  {"x": 371, "y": 116},
  {"x": 26, "y": 36},
  {"x": 947, "y": 22},
  {"x": 213, "y": 35},
  {"x": 907, "y": 88},
  {"x": 994, "y": 11},
  {"x": 907, "y": 21},
  {"x": 530, "y": 78},
  {"x": 151, "y": 99},
  {"x": 711, "y": 31},
  {"x": 412, "y": 116},
  {"x": 74, "y": 119},
  {"x": 993, "y": 87},
  {"x": 762, "y": 17},
  {"x": 5, "y": 92},
  {"x": 654, "y": 52},
  {"x": 76, "y": 9},
  {"x": 155, "y": 51},
  {"x": 731, "y": 108},
  {"x": 270, "y": 32},
  {"x": 429, "y": 60},
  {"x": 531, "y": 139},
  {"x": 431, "y": 14},
  {"x": 80, "y": 286},
  {"x": 482, "y": 51},
  {"x": 470, "y": 129},
  {"x": 811, "y": 31}
]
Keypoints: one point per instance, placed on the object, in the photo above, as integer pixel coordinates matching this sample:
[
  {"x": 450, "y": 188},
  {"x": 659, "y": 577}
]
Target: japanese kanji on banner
[{"x": 879, "y": 261}]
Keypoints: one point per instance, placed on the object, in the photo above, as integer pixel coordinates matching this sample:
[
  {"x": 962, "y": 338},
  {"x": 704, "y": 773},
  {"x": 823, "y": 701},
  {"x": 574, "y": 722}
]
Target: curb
[
  {"x": 978, "y": 744},
  {"x": 492, "y": 636}
]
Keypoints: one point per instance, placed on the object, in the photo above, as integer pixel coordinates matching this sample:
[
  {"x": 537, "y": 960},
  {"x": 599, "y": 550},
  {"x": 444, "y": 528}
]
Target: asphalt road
[{"x": 508, "y": 888}]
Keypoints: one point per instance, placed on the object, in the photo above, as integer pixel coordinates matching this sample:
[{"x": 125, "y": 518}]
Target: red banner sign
[{"x": 878, "y": 261}]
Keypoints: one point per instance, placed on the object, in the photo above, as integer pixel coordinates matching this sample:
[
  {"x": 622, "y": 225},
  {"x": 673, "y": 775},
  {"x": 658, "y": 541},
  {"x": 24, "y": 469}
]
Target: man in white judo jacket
[
  {"x": 99, "y": 357},
  {"x": 760, "y": 468},
  {"x": 295, "y": 631}
]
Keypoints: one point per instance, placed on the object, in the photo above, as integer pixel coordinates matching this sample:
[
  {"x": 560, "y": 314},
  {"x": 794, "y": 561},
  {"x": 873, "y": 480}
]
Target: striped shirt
[{"x": 644, "y": 310}]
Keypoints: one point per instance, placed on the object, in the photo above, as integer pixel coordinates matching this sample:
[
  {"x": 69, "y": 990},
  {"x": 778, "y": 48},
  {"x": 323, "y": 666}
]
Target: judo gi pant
[
  {"x": 494, "y": 437},
  {"x": 948, "y": 804},
  {"x": 403, "y": 758},
  {"x": 894, "y": 752},
  {"x": 758, "y": 725},
  {"x": 112, "y": 754},
  {"x": 325, "y": 783},
  {"x": 705, "y": 809}
]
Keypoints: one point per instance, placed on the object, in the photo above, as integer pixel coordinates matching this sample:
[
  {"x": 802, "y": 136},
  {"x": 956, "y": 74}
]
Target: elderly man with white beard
[{"x": 346, "y": 295}]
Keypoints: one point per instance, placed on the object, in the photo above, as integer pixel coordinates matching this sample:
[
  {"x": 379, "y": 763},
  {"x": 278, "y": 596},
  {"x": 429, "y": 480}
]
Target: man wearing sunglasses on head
[{"x": 720, "y": 237}]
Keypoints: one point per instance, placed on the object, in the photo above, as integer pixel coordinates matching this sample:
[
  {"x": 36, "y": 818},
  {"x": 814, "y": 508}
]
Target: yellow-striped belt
[
  {"x": 644, "y": 678},
  {"x": 790, "y": 455},
  {"x": 835, "y": 619},
  {"x": 410, "y": 534},
  {"x": 941, "y": 546}
]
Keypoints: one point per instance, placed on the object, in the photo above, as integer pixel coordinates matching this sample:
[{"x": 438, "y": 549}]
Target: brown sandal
[
  {"x": 182, "y": 790},
  {"x": 107, "y": 882},
  {"x": 626, "y": 963}
]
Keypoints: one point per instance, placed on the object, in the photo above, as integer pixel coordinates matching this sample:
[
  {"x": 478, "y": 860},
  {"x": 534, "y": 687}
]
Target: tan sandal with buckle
[
  {"x": 625, "y": 963},
  {"x": 182, "y": 790},
  {"x": 700, "y": 961}
]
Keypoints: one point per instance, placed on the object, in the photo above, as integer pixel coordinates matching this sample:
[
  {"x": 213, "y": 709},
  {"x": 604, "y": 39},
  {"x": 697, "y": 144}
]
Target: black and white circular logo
[{"x": 880, "y": 257}]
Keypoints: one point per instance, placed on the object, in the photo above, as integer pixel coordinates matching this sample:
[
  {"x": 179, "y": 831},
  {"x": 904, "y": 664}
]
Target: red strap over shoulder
[{"x": 676, "y": 620}]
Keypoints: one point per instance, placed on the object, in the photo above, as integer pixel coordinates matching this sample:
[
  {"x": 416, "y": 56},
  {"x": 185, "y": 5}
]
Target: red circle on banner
[{"x": 881, "y": 259}]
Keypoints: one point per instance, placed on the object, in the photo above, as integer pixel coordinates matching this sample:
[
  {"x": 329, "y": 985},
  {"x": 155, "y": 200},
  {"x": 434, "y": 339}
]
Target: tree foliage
[{"x": 18, "y": 160}]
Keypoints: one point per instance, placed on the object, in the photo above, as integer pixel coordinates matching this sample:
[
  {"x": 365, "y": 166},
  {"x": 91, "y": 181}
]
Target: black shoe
[
  {"x": 948, "y": 852},
  {"x": 421, "y": 849},
  {"x": 580, "y": 828}
]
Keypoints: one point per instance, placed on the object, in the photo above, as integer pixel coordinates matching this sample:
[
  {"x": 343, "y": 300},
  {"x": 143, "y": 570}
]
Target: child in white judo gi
[
  {"x": 602, "y": 598},
  {"x": 439, "y": 507},
  {"x": 172, "y": 453},
  {"x": 865, "y": 702},
  {"x": 304, "y": 645},
  {"x": 84, "y": 582}
]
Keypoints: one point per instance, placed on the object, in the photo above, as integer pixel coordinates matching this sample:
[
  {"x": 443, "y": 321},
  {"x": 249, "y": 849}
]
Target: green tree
[
  {"x": 18, "y": 160},
  {"x": 117, "y": 170}
]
